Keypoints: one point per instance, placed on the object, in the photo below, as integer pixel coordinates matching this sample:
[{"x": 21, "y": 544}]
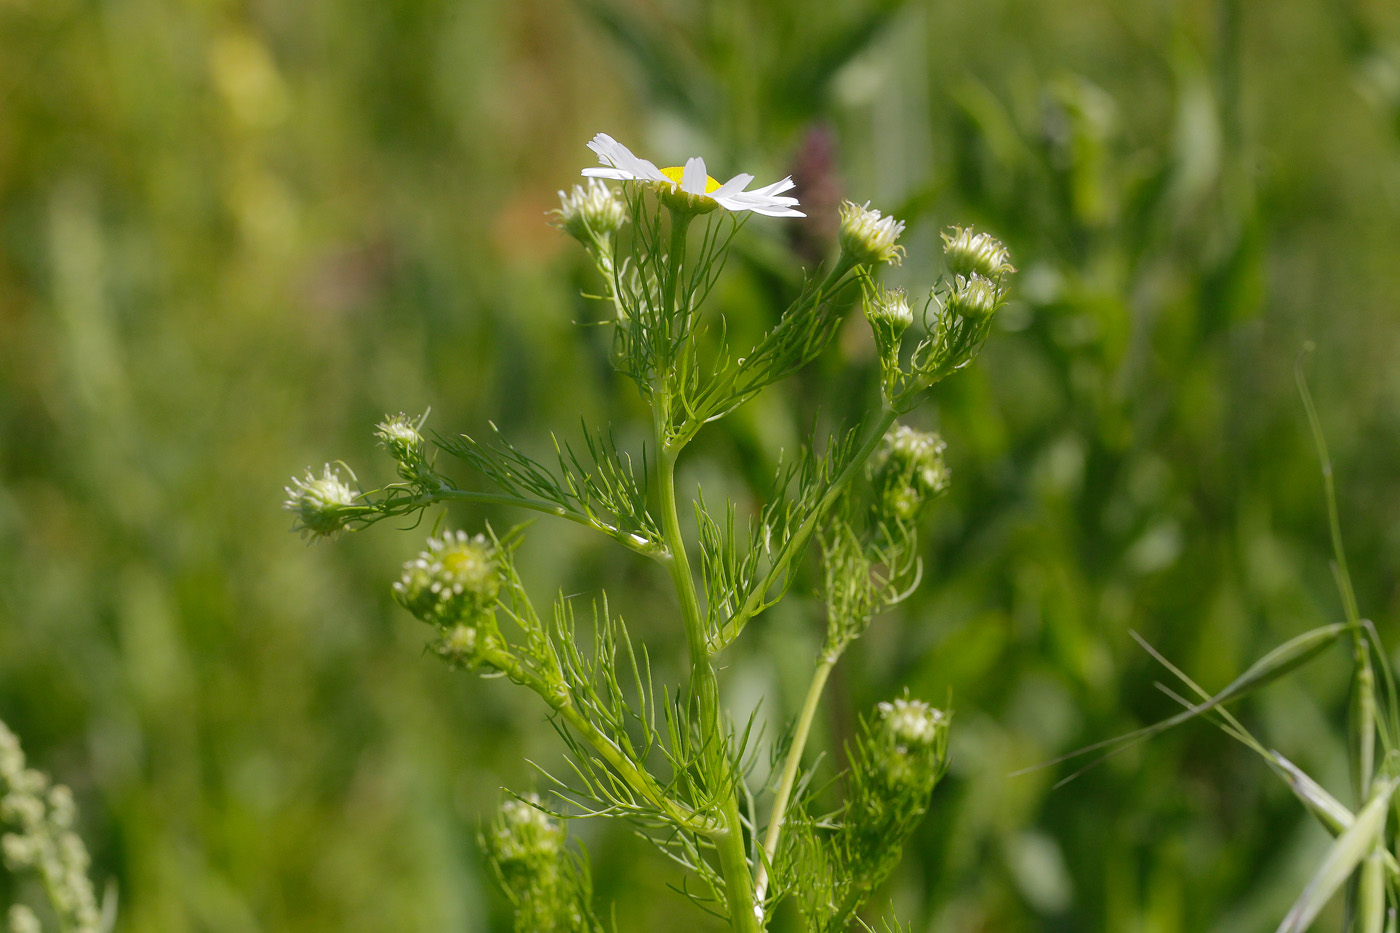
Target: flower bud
[
  {"x": 591, "y": 210},
  {"x": 974, "y": 297},
  {"x": 11, "y": 755},
  {"x": 967, "y": 253},
  {"x": 888, "y": 312},
  {"x": 869, "y": 238},
  {"x": 457, "y": 579},
  {"x": 400, "y": 436},
  {"x": 911, "y": 744},
  {"x": 322, "y": 505},
  {"x": 911, "y": 723},
  {"x": 18, "y": 851},
  {"x": 909, "y": 472},
  {"x": 22, "y": 807},
  {"x": 62, "y": 808},
  {"x": 889, "y": 308},
  {"x": 459, "y": 646},
  {"x": 23, "y": 920},
  {"x": 524, "y": 835}
]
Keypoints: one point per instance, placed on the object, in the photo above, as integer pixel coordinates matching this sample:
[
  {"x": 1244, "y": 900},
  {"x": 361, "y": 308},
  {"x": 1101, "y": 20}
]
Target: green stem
[
  {"x": 704, "y": 687},
  {"x": 675, "y": 261},
  {"x": 716, "y": 769},
  {"x": 637, "y": 779},
  {"x": 794, "y": 760},
  {"x": 630, "y": 540},
  {"x": 640, "y": 781}
]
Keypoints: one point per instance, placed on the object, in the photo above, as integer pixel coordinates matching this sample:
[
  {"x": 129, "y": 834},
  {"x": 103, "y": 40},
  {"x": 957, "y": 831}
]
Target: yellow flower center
[{"x": 675, "y": 172}]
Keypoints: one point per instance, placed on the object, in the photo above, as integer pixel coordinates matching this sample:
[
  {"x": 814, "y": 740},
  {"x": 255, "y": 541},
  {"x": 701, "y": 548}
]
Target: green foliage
[{"x": 231, "y": 238}]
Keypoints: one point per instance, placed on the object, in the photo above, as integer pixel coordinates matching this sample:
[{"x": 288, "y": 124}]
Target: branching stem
[
  {"x": 631, "y": 541},
  {"x": 704, "y": 685},
  {"x": 640, "y": 781}
]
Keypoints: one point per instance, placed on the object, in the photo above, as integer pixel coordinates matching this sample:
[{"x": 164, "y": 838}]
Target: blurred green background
[{"x": 234, "y": 235}]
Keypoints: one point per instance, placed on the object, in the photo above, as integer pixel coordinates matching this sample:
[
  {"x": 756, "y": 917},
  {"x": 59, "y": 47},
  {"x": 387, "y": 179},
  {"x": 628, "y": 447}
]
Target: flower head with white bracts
[{"x": 691, "y": 179}]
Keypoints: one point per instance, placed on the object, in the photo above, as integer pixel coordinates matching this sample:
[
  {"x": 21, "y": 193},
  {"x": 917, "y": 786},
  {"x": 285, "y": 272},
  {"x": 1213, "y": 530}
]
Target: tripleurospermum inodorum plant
[{"x": 669, "y": 757}]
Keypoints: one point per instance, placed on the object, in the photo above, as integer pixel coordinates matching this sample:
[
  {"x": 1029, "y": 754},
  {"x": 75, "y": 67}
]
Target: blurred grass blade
[
  {"x": 1342, "y": 858},
  {"x": 1283, "y": 659}
]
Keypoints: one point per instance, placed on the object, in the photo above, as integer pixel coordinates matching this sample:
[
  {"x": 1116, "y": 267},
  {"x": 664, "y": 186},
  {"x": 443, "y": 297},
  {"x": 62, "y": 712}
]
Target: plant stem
[
  {"x": 704, "y": 688},
  {"x": 630, "y": 540},
  {"x": 639, "y": 780},
  {"x": 716, "y": 768},
  {"x": 794, "y": 760}
]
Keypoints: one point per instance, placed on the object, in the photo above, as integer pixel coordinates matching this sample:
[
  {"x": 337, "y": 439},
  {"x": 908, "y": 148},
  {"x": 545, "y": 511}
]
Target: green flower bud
[
  {"x": 19, "y": 852},
  {"x": 911, "y": 723},
  {"x": 11, "y": 755},
  {"x": 974, "y": 297},
  {"x": 400, "y": 436},
  {"x": 888, "y": 309},
  {"x": 457, "y": 579},
  {"x": 909, "y": 472},
  {"x": 23, "y": 920},
  {"x": 969, "y": 253},
  {"x": 592, "y": 210},
  {"x": 321, "y": 505},
  {"x": 459, "y": 646},
  {"x": 869, "y": 238},
  {"x": 524, "y": 836},
  {"x": 911, "y": 745},
  {"x": 22, "y": 807},
  {"x": 62, "y": 808}
]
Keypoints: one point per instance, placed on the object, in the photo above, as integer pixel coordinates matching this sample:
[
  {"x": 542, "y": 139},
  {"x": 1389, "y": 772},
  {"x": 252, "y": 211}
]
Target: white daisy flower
[{"x": 621, "y": 165}]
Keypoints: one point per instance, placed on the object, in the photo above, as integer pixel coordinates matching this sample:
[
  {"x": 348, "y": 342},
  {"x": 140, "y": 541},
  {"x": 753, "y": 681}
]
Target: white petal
[
  {"x": 693, "y": 177},
  {"x": 777, "y": 211},
  {"x": 610, "y": 151},
  {"x": 735, "y": 185},
  {"x": 775, "y": 188},
  {"x": 615, "y": 154},
  {"x": 647, "y": 171},
  {"x": 616, "y": 174}
]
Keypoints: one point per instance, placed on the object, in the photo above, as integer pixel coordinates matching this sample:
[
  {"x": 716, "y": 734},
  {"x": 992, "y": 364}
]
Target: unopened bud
[
  {"x": 588, "y": 211},
  {"x": 459, "y": 646},
  {"x": 909, "y": 471},
  {"x": 890, "y": 308},
  {"x": 11, "y": 755},
  {"x": 974, "y": 297},
  {"x": 23, "y": 920},
  {"x": 912, "y": 744},
  {"x": 967, "y": 253},
  {"x": 62, "y": 808},
  {"x": 19, "y": 852},
  {"x": 401, "y": 436},
  {"x": 322, "y": 505},
  {"x": 869, "y": 238},
  {"x": 457, "y": 579},
  {"x": 911, "y": 723},
  {"x": 525, "y": 835}
]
